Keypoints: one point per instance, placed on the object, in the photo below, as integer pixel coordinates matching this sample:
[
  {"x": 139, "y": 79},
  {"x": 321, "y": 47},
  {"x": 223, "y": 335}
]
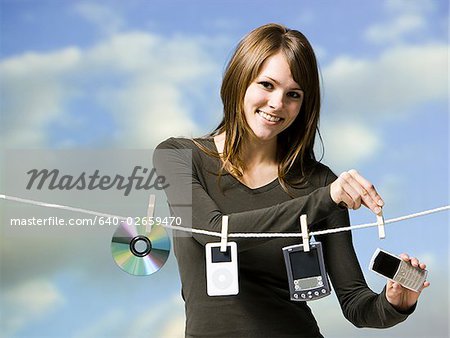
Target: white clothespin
[
  {"x": 150, "y": 212},
  {"x": 224, "y": 234},
  {"x": 380, "y": 222},
  {"x": 305, "y": 233}
]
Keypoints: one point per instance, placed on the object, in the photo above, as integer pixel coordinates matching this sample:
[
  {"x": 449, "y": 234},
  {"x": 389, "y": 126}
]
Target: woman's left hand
[{"x": 402, "y": 298}]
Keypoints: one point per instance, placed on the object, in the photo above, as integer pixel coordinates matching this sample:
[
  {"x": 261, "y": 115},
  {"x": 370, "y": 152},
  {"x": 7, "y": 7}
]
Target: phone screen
[{"x": 386, "y": 264}]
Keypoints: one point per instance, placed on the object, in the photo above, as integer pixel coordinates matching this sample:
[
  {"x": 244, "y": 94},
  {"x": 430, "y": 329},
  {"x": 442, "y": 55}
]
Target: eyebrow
[{"x": 272, "y": 79}]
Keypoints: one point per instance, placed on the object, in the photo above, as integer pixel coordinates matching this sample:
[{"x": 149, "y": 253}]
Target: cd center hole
[{"x": 141, "y": 246}]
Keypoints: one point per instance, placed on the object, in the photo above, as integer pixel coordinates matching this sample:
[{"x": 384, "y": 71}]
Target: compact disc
[{"x": 139, "y": 250}]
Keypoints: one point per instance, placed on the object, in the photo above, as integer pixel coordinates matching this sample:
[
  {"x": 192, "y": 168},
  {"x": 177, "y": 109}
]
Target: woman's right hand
[{"x": 352, "y": 190}]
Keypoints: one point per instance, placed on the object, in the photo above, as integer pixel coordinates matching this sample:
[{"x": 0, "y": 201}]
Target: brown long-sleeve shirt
[{"x": 263, "y": 307}]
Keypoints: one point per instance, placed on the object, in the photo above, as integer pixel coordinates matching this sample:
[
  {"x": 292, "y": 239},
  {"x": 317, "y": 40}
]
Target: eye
[
  {"x": 265, "y": 84},
  {"x": 295, "y": 95}
]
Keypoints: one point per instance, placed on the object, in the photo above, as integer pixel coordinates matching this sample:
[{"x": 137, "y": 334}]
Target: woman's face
[{"x": 273, "y": 100}]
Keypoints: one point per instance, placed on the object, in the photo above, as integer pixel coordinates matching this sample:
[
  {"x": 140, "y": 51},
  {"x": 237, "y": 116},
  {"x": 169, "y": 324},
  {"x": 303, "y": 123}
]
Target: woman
[{"x": 259, "y": 168}]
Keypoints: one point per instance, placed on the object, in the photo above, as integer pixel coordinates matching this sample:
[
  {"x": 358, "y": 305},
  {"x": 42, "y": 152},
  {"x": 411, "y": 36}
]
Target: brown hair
[{"x": 297, "y": 141}]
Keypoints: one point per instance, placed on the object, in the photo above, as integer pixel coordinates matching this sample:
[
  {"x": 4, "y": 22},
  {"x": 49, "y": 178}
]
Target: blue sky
[{"x": 126, "y": 75}]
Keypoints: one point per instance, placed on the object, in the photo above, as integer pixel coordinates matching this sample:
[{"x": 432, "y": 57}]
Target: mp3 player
[
  {"x": 221, "y": 270},
  {"x": 306, "y": 272}
]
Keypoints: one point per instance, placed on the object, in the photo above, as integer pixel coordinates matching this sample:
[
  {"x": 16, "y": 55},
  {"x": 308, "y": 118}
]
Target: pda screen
[{"x": 304, "y": 264}]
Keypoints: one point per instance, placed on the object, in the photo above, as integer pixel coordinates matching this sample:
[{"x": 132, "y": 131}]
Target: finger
[
  {"x": 424, "y": 286},
  {"x": 414, "y": 262},
  {"x": 338, "y": 193},
  {"x": 363, "y": 193},
  {"x": 368, "y": 186},
  {"x": 347, "y": 201},
  {"x": 405, "y": 257},
  {"x": 351, "y": 190}
]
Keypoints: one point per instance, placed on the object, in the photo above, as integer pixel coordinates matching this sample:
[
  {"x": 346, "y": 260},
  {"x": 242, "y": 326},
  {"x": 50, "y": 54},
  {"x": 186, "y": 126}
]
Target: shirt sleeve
[
  {"x": 176, "y": 166},
  {"x": 359, "y": 304}
]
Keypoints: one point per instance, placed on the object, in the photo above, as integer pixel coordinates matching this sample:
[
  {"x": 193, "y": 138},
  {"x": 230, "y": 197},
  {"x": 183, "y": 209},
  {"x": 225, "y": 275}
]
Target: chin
[{"x": 263, "y": 137}]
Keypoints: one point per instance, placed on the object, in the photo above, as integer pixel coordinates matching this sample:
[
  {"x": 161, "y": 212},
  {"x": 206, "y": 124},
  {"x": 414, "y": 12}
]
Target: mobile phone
[
  {"x": 397, "y": 270},
  {"x": 306, "y": 272}
]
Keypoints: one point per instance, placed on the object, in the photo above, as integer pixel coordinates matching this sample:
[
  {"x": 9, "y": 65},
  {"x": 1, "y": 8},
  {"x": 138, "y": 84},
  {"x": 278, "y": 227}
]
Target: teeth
[{"x": 268, "y": 117}]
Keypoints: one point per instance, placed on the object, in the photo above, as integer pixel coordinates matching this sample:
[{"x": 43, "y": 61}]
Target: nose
[{"x": 276, "y": 100}]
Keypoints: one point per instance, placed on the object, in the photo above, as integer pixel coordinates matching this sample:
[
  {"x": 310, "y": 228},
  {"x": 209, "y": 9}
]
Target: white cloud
[
  {"x": 389, "y": 186},
  {"x": 361, "y": 93},
  {"x": 34, "y": 93},
  {"x": 164, "y": 319},
  {"x": 103, "y": 17},
  {"x": 321, "y": 52},
  {"x": 152, "y": 104},
  {"x": 407, "y": 6},
  {"x": 143, "y": 82},
  {"x": 161, "y": 319},
  {"x": 389, "y": 86},
  {"x": 125, "y": 53},
  {"x": 396, "y": 30},
  {"x": 28, "y": 302},
  {"x": 107, "y": 324},
  {"x": 174, "y": 327},
  {"x": 405, "y": 19},
  {"x": 347, "y": 144},
  {"x": 401, "y": 80}
]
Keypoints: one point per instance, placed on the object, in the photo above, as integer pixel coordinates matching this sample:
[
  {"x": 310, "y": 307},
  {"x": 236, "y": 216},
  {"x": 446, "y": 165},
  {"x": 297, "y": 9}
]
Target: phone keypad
[{"x": 409, "y": 276}]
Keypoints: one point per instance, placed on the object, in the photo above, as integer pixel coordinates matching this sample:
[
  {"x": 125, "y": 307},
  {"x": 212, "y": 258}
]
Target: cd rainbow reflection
[{"x": 139, "y": 250}]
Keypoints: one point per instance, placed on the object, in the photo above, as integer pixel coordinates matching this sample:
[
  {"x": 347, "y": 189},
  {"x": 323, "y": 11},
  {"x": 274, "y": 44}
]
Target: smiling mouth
[{"x": 268, "y": 117}]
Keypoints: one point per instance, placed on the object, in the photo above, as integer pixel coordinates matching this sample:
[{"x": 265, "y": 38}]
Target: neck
[{"x": 256, "y": 152}]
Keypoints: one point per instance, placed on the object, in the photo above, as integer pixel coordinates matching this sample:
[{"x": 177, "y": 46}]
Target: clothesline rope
[{"x": 235, "y": 235}]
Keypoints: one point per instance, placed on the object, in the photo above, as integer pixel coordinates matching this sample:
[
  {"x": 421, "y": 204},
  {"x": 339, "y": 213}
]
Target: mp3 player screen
[{"x": 219, "y": 256}]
